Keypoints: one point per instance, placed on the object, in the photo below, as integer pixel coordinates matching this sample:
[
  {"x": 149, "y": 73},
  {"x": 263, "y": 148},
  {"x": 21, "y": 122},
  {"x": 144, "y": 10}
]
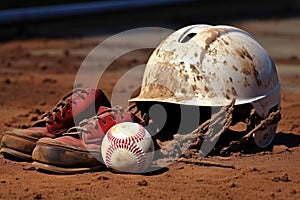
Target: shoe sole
[
  {"x": 50, "y": 156},
  {"x": 7, "y": 151},
  {"x": 17, "y": 146},
  {"x": 60, "y": 170}
]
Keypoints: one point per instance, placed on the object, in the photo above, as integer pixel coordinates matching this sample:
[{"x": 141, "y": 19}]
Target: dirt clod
[
  {"x": 102, "y": 178},
  {"x": 232, "y": 185},
  {"x": 283, "y": 178},
  {"x": 38, "y": 196},
  {"x": 143, "y": 183}
]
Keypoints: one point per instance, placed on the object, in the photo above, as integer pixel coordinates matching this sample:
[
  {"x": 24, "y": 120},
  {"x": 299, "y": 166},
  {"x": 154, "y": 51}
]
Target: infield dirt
[{"x": 35, "y": 73}]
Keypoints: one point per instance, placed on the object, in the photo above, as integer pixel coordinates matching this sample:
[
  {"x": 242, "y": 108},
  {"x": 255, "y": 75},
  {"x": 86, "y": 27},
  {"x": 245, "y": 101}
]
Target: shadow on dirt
[
  {"x": 13, "y": 158},
  {"x": 287, "y": 139},
  {"x": 151, "y": 171}
]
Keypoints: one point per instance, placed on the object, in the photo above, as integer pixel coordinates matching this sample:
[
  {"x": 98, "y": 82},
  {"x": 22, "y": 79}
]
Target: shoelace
[
  {"x": 59, "y": 107},
  {"x": 93, "y": 121}
]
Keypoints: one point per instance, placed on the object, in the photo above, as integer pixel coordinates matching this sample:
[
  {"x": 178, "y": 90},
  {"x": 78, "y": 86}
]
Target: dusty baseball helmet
[{"x": 203, "y": 65}]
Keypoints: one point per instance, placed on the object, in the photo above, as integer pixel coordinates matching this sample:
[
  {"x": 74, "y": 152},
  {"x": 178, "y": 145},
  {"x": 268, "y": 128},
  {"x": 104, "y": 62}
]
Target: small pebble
[
  {"x": 102, "y": 178},
  {"x": 232, "y": 185},
  {"x": 143, "y": 183}
]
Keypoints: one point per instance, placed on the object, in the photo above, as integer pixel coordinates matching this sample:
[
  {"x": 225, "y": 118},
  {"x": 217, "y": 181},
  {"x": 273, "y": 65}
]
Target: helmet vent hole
[{"x": 187, "y": 37}]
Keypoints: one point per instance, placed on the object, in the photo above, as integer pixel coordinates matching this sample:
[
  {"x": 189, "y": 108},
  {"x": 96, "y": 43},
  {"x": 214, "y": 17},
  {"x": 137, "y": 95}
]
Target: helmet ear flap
[
  {"x": 248, "y": 131},
  {"x": 263, "y": 138}
]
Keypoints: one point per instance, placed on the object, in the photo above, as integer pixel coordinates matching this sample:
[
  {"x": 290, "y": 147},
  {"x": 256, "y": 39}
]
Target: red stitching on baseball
[
  {"x": 111, "y": 148},
  {"x": 136, "y": 138},
  {"x": 136, "y": 150},
  {"x": 131, "y": 147}
]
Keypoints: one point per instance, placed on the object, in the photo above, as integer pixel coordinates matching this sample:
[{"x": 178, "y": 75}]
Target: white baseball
[{"x": 127, "y": 147}]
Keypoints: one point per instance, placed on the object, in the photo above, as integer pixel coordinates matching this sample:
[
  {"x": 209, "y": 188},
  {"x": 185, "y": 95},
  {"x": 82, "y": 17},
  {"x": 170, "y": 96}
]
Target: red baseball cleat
[
  {"x": 79, "y": 149},
  {"x": 70, "y": 110}
]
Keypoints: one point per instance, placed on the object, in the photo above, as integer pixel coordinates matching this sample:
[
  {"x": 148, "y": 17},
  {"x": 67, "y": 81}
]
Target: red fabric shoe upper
[
  {"x": 74, "y": 107},
  {"x": 93, "y": 130}
]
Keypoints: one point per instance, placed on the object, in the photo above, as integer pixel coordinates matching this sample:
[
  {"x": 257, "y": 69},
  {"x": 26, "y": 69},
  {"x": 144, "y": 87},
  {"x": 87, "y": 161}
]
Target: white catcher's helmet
[{"x": 204, "y": 65}]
